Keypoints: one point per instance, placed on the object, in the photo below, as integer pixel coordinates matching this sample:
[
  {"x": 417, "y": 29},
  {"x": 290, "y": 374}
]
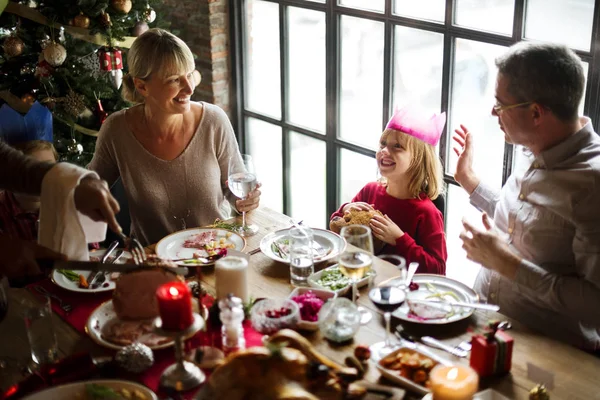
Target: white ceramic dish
[
  {"x": 171, "y": 247},
  {"x": 62, "y": 281},
  {"x": 437, "y": 284},
  {"x": 331, "y": 244},
  {"x": 488, "y": 394},
  {"x": 104, "y": 316},
  {"x": 394, "y": 375},
  {"x": 314, "y": 278},
  {"x": 323, "y": 294},
  {"x": 76, "y": 390}
]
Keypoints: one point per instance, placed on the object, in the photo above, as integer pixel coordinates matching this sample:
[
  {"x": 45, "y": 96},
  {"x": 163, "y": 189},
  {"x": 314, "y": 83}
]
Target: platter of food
[
  {"x": 95, "y": 389},
  {"x": 331, "y": 278},
  {"x": 197, "y": 243}
]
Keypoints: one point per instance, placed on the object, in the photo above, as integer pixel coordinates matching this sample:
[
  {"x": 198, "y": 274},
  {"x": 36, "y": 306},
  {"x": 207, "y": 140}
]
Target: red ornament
[
  {"x": 100, "y": 113},
  {"x": 43, "y": 69},
  {"x": 175, "y": 306},
  {"x": 110, "y": 59}
]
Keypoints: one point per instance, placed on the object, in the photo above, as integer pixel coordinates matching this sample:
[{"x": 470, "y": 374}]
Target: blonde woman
[
  {"x": 171, "y": 153},
  {"x": 411, "y": 225}
]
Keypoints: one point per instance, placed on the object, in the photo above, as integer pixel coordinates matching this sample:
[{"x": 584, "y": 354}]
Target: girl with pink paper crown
[{"x": 411, "y": 225}]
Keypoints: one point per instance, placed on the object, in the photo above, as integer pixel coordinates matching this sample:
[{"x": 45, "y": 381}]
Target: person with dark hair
[{"x": 541, "y": 253}]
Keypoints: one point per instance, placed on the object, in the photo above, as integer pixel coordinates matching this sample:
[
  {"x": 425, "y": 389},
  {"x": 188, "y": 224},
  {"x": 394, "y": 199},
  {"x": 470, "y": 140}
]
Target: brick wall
[{"x": 204, "y": 26}]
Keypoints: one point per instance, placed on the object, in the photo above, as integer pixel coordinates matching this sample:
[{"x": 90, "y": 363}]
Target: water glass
[
  {"x": 40, "y": 332},
  {"x": 301, "y": 255}
]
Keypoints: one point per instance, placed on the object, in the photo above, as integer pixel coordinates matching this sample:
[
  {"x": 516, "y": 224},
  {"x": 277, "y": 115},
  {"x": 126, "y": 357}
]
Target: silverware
[
  {"x": 433, "y": 342},
  {"x": 445, "y": 304},
  {"x": 465, "y": 345},
  {"x": 254, "y": 251},
  {"x": 95, "y": 276},
  {"x": 66, "y": 307},
  {"x": 137, "y": 250},
  {"x": 96, "y": 266},
  {"x": 412, "y": 268},
  {"x": 200, "y": 260},
  {"x": 102, "y": 277}
]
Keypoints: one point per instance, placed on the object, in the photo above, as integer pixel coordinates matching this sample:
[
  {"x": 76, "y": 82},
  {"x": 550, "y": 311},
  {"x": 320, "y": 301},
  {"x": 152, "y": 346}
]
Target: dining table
[{"x": 569, "y": 372}]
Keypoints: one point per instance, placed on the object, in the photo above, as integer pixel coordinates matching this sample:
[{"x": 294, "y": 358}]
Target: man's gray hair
[{"x": 549, "y": 74}]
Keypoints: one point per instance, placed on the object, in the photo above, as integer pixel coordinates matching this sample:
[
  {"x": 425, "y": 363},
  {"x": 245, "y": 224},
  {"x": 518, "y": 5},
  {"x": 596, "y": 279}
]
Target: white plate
[
  {"x": 331, "y": 243},
  {"x": 77, "y": 389},
  {"x": 171, "y": 247},
  {"x": 62, "y": 281},
  {"x": 394, "y": 375},
  {"x": 440, "y": 284},
  {"x": 312, "y": 281},
  {"x": 323, "y": 294},
  {"x": 104, "y": 315}
]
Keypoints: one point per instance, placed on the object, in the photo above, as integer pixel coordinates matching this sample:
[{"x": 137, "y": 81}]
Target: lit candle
[
  {"x": 453, "y": 382},
  {"x": 175, "y": 306}
]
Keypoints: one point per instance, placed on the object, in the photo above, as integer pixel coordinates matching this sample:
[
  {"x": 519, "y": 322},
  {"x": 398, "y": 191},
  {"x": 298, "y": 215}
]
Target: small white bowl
[
  {"x": 313, "y": 281},
  {"x": 323, "y": 294}
]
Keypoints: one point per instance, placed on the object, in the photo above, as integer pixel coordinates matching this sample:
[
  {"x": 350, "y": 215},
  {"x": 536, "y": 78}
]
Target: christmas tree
[{"x": 69, "y": 56}]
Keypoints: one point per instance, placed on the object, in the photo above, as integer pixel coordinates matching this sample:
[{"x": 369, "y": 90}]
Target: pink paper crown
[{"x": 415, "y": 123}]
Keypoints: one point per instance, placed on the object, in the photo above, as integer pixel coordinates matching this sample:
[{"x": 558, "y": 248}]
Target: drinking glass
[
  {"x": 242, "y": 181},
  {"x": 387, "y": 299},
  {"x": 301, "y": 255},
  {"x": 40, "y": 332},
  {"x": 355, "y": 261}
]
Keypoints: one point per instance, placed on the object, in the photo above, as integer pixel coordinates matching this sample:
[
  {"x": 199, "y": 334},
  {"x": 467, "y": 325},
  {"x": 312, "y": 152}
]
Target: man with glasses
[{"x": 541, "y": 261}]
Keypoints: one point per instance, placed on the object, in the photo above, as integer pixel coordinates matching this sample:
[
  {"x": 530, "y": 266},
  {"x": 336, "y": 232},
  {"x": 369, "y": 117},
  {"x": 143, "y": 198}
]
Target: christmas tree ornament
[
  {"x": 122, "y": 6},
  {"x": 149, "y": 15},
  {"x": 539, "y": 393},
  {"x": 110, "y": 59},
  {"x": 74, "y": 148},
  {"x": 28, "y": 98},
  {"x": 105, "y": 20},
  {"x": 116, "y": 78},
  {"x": 87, "y": 118},
  {"x": 91, "y": 63},
  {"x": 139, "y": 28},
  {"x": 74, "y": 103},
  {"x": 55, "y": 54},
  {"x": 43, "y": 69},
  {"x": 81, "y": 21},
  {"x": 13, "y": 46},
  {"x": 45, "y": 41},
  {"x": 100, "y": 113},
  {"x": 31, "y": 3},
  {"x": 136, "y": 357},
  {"x": 27, "y": 69}
]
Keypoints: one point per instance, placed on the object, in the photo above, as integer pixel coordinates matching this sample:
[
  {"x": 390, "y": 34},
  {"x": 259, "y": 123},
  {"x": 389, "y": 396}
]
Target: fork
[
  {"x": 66, "y": 307},
  {"x": 137, "y": 250},
  {"x": 464, "y": 346}
]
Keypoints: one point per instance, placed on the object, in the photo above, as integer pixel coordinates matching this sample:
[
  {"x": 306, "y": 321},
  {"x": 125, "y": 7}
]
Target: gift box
[
  {"x": 17, "y": 128},
  {"x": 491, "y": 354},
  {"x": 110, "y": 59}
]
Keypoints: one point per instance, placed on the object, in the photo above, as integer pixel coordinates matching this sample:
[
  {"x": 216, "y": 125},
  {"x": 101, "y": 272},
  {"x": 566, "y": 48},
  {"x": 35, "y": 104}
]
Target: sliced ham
[{"x": 200, "y": 240}]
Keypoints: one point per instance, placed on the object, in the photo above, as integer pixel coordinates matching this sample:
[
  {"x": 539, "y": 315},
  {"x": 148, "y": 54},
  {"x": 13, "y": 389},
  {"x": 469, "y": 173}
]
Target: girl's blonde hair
[
  {"x": 156, "y": 51},
  {"x": 425, "y": 171}
]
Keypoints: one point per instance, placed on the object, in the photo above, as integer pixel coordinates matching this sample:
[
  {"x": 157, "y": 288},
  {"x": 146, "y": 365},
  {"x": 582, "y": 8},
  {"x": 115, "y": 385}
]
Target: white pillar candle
[{"x": 231, "y": 274}]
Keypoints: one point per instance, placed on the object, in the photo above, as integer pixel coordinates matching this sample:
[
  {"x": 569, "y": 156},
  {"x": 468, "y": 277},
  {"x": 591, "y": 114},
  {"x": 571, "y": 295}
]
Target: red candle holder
[{"x": 175, "y": 306}]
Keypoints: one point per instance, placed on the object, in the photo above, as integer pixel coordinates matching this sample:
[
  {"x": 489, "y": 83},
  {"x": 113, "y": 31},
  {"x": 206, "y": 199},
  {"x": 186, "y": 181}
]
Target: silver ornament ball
[
  {"x": 74, "y": 147},
  {"x": 149, "y": 15},
  {"x": 136, "y": 357}
]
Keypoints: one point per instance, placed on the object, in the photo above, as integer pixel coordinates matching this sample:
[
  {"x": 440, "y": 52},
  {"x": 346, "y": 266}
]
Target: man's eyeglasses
[{"x": 498, "y": 108}]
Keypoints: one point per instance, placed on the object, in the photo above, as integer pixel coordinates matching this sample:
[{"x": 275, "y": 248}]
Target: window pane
[
  {"x": 361, "y": 81},
  {"x": 562, "y": 21},
  {"x": 306, "y": 91},
  {"x": 486, "y": 15},
  {"x": 263, "y": 92},
  {"x": 356, "y": 171},
  {"x": 373, "y": 5},
  {"x": 264, "y": 144},
  {"x": 308, "y": 175},
  {"x": 474, "y": 76},
  {"x": 458, "y": 207},
  {"x": 433, "y": 10},
  {"x": 418, "y": 58}
]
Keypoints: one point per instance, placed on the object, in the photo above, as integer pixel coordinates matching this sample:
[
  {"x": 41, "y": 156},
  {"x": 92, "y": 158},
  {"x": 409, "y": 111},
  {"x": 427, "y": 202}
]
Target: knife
[
  {"x": 99, "y": 267},
  {"x": 443, "y": 304}
]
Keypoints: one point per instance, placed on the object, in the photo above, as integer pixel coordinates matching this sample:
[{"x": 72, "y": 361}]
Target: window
[{"x": 318, "y": 79}]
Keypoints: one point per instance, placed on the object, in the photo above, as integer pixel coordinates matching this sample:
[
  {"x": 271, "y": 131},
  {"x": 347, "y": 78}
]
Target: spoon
[{"x": 199, "y": 260}]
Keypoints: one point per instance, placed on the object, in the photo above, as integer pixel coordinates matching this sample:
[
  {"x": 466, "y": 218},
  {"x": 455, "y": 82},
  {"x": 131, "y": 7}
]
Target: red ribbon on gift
[{"x": 110, "y": 59}]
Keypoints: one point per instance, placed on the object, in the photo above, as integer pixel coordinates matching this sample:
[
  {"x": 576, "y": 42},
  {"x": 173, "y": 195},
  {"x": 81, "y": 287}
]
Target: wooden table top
[{"x": 575, "y": 372}]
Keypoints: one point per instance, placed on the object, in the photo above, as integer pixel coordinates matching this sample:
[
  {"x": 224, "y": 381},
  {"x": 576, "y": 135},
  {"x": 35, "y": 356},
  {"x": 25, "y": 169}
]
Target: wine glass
[
  {"x": 387, "y": 299},
  {"x": 242, "y": 181},
  {"x": 355, "y": 262}
]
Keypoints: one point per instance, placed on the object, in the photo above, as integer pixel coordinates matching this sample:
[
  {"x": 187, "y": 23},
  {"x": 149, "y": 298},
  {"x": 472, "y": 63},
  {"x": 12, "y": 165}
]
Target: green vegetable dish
[{"x": 333, "y": 279}]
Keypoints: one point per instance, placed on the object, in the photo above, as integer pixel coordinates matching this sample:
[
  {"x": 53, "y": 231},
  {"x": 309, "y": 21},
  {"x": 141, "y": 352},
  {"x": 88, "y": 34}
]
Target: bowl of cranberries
[{"x": 270, "y": 315}]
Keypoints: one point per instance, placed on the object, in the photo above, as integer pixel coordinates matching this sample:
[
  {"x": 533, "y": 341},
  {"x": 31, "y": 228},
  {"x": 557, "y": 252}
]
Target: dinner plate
[
  {"x": 76, "y": 390},
  {"x": 171, "y": 247},
  {"x": 62, "y": 281},
  {"x": 431, "y": 287},
  {"x": 330, "y": 244},
  {"x": 104, "y": 316}
]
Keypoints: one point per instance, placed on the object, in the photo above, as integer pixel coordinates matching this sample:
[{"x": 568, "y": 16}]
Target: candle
[
  {"x": 231, "y": 277},
  {"x": 453, "y": 382},
  {"x": 175, "y": 306}
]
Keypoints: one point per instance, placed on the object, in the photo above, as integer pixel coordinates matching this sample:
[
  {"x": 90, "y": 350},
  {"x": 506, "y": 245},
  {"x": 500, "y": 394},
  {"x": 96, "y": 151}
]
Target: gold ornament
[
  {"x": 28, "y": 98},
  {"x": 74, "y": 103},
  {"x": 539, "y": 393},
  {"x": 13, "y": 46},
  {"x": 55, "y": 54},
  {"x": 105, "y": 20},
  {"x": 122, "y": 6},
  {"x": 81, "y": 21}
]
